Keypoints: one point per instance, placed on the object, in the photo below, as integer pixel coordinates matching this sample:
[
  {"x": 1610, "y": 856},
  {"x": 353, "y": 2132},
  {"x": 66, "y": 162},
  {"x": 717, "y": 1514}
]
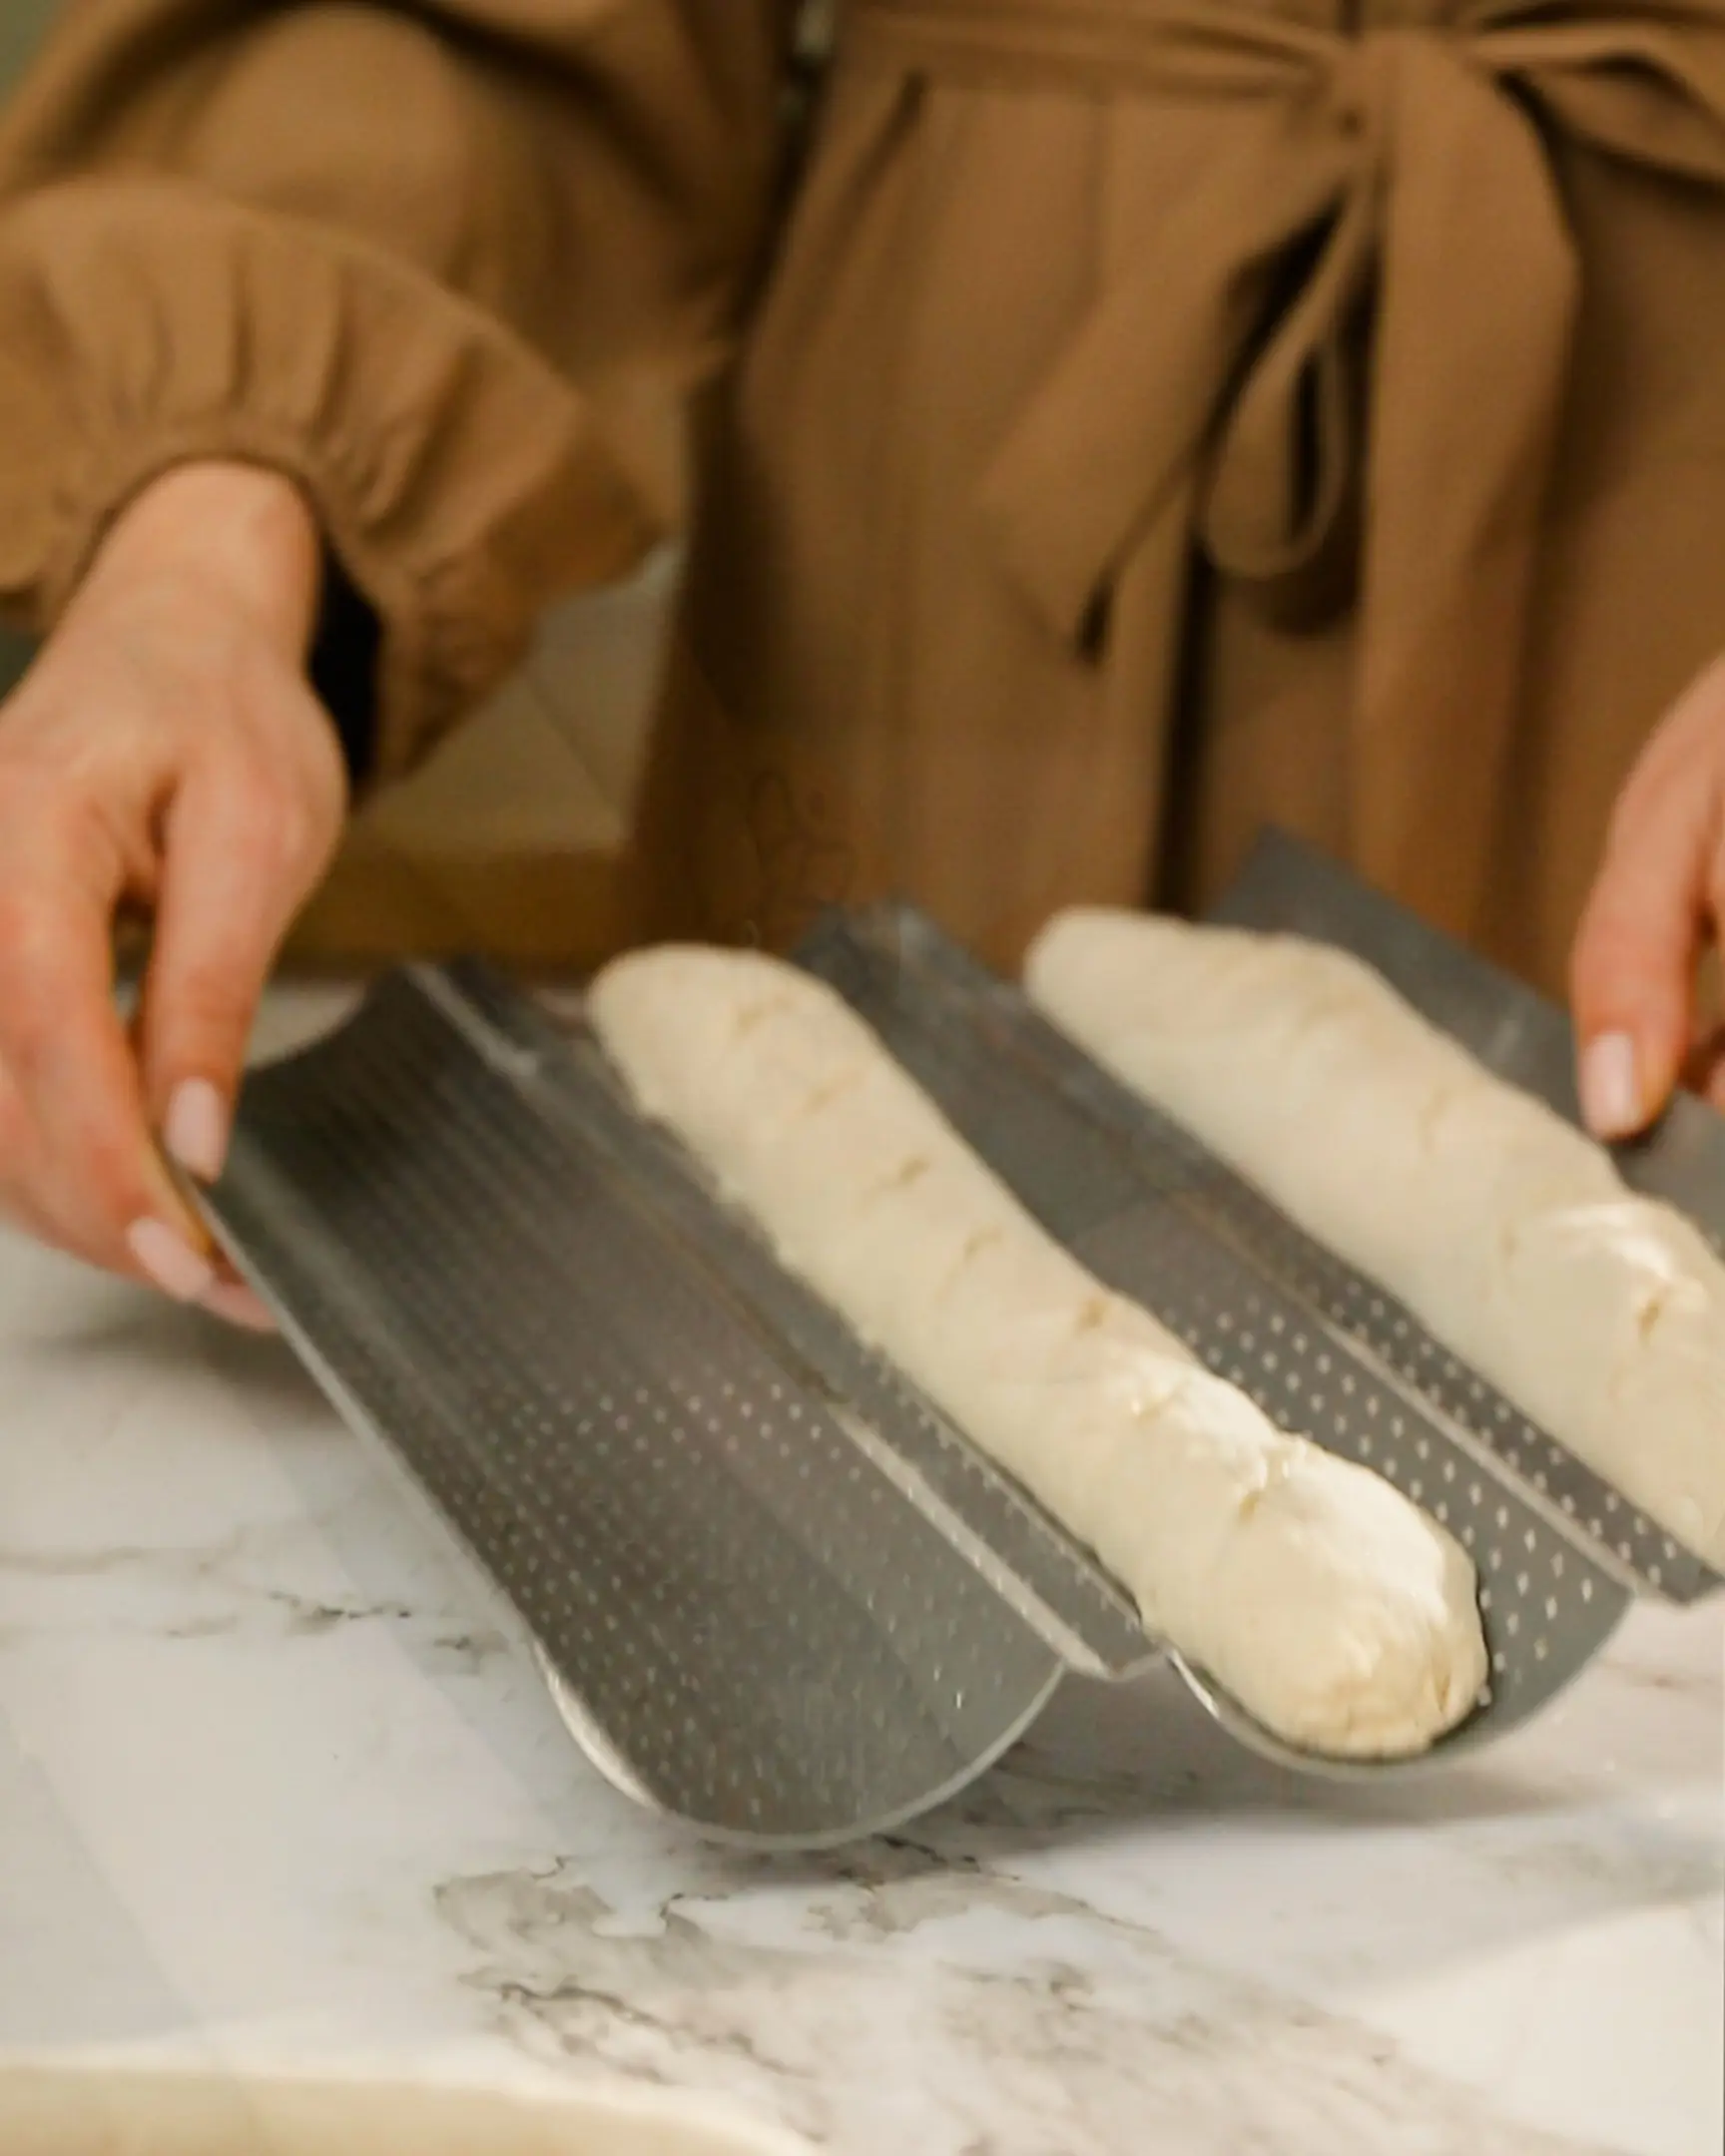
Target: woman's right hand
[{"x": 165, "y": 751}]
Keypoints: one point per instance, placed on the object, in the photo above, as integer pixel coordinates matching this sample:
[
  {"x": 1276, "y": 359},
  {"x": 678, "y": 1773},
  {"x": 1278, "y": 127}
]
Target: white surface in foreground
[{"x": 273, "y": 1791}]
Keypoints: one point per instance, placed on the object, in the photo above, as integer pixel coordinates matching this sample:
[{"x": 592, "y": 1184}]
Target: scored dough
[
  {"x": 1507, "y": 1232},
  {"x": 1331, "y": 1608}
]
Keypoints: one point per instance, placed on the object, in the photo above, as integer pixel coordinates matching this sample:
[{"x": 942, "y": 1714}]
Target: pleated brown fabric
[{"x": 1145, "y": 419}]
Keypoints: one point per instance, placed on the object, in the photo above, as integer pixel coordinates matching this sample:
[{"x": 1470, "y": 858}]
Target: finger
[
  {"x": 92, "y": 1173},
  {"x": 240, "y": 862},
  {"x": 242, "y": 1307},
  {"x": 1632, "y": 970},
  {"x": 18, "y": 1146},
  {"x": 237, "y": 1304},
  {"x": 1633, "y": 964},
  {"x": 226, "y": 1296}
]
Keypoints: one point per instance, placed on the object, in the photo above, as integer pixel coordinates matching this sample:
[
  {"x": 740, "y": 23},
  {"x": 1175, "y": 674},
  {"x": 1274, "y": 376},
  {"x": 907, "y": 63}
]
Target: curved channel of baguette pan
[
  {"x": 1332, "y": 1609},
  {"x": 1507, "y": 1232}
]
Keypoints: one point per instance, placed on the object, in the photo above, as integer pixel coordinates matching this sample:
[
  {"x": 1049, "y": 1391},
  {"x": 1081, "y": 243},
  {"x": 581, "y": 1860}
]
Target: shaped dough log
[
  {"x": 1502, "y": 1228},
  {"x": 1331, "y": 1608}
]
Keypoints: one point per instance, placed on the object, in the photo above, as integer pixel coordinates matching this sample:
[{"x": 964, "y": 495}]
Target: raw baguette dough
[
  {"x": 1509, "y": 1234},
  {"x": 1330, "y": 1607}
]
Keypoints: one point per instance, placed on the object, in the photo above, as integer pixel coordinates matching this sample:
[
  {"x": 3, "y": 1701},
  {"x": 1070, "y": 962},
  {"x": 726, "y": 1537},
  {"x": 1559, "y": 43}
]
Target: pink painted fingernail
[
  {"x": 196, "y": 1132},
  {"x": 237, "y": 1305},
  {"x": 1611, "y": 1090},
  {"x": 170, "y": 1261}
]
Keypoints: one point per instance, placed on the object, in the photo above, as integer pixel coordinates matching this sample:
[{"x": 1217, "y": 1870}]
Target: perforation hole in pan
[{"x": 773, "y": 1652}]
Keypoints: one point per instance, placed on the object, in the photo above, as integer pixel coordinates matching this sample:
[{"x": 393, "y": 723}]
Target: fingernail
[
  {"x": 1610, "y": 1092},
  {"x": 239, "y": 1307},
  {"x": 196, "y": 1132},
  {"x": 172, "y": 1264}
]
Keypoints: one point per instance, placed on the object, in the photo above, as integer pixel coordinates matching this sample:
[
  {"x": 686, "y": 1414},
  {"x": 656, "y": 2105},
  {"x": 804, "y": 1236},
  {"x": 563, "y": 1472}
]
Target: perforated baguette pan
[{"x": 774, "y": 1593}]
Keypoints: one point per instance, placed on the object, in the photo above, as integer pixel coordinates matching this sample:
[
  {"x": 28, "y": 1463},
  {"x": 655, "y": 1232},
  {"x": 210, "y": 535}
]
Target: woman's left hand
[{"x": 1657, "y": 901}]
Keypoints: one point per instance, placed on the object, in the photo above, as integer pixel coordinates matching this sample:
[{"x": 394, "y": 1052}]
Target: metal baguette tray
[{"x": 772, "y": 1591}]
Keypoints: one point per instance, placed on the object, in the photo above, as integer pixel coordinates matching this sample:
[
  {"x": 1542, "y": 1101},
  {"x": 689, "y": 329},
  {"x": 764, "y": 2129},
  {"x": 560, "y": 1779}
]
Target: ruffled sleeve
[{"x": 456, "y": 269}]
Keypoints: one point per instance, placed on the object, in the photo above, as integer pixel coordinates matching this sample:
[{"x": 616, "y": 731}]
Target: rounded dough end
[{"x": 1345, "y": 1619}]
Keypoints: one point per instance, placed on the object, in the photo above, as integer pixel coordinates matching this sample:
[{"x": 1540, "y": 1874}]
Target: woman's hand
[
  {"x": 1658, "y": 900},
  {"x": 165, "y": 752}
]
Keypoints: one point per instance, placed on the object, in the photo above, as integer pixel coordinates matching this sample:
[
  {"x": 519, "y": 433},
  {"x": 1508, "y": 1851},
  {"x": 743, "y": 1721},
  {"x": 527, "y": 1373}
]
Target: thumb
[
  {"x": 239, "y": 862},
  {"x": 1632, "y": 970}
]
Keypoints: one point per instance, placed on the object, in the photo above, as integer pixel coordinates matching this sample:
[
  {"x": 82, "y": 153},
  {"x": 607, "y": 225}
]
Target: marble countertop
[{"x": 275, "y": 1792}]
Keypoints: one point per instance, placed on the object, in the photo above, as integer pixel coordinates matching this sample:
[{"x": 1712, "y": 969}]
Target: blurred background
[{"x": 510, "y": 837}]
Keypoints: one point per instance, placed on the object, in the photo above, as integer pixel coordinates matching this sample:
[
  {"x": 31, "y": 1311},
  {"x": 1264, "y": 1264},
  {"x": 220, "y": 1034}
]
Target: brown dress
[{"x": 1133, "y": 420}]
